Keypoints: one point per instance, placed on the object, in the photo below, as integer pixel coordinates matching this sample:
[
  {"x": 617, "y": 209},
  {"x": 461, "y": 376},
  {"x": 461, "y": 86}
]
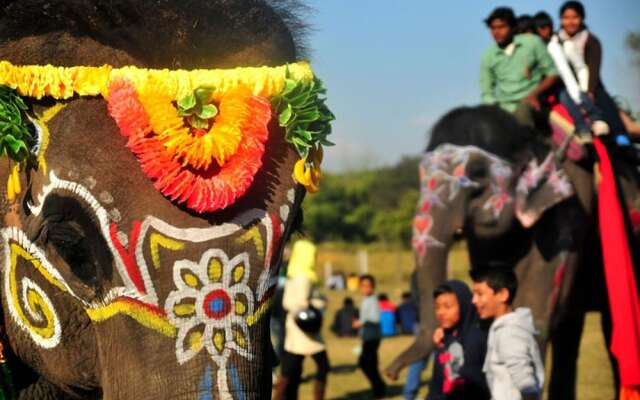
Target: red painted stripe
[{"x": 128, "y": 255}]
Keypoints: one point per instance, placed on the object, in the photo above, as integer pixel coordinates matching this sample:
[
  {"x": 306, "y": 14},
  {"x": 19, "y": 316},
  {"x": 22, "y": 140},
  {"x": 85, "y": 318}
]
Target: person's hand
[
  {"x": 533, "y": 101},
  {"x": 355, "y": 324},
  {"x": 438, "y": 337},
  {"x": 393, "y": 375}
]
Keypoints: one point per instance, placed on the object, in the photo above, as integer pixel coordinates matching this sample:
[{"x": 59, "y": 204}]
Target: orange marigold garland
[{"x": 202, "y": 189}]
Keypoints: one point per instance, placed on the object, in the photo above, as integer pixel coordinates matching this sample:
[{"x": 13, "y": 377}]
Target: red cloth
[{"x": 620, "y": 279}]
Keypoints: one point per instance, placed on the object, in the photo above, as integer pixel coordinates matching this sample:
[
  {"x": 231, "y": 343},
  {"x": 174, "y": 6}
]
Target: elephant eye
[
  {"x": 68, "y": 239},
  {"x": 477, "y": 170}
]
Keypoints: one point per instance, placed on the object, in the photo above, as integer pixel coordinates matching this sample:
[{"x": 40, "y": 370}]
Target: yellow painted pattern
[
  {"x": 252, "y": 319},
  {"x": 34, "y": 299},
  {"x": 215, "y": 270},
  {"x": 184, "y": 310},
  {"x": 238, "y": 273},
  {"x": 36, "y": 302},
  {"x": 157, "y": 240},
  {"x": 195, "y": 340},
  {"x": 136, "y": 311},
  {"x": 190, "y": 279},
  {"x": 253, "y": 235},
  {"x": 218, "y": 340}
]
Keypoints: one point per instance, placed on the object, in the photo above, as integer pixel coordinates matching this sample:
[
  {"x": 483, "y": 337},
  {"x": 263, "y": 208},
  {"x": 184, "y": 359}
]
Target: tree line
[{"x": 376, "y": 205}]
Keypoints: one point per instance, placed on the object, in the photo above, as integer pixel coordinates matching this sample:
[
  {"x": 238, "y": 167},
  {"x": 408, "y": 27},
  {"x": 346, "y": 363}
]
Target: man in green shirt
[{"x": 516, "y": 70}]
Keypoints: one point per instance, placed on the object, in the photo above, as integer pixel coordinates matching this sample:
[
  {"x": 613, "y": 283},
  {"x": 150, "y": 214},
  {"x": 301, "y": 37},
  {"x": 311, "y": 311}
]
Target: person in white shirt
[{"x": 575, "y": 75}]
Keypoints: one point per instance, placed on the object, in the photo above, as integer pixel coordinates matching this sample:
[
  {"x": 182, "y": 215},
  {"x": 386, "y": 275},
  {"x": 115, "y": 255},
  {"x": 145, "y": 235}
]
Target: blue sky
[{"x": 393, "y": 68}]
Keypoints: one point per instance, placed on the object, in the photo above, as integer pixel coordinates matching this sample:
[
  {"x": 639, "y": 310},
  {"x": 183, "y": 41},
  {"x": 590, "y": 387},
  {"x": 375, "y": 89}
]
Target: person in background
[
  {"x": 412, "y": 384},
  {"x": 369, "y": 325},
  {"x": 525, "y": 24},
  {"x": 582, "y": 45},
  {"x": 544, "y": 26},
  {"x": 387, "y": 315},
  {"x": 300, "y": 292},
  {"x": 460, "y": 346},
  {"x": 407, "y": 315},
  {"x": 516, "y": 71},
  {"x": 343, "y": 320},
  {"x": 513, "y": 365},
  {"x": 353, "y": 282}
]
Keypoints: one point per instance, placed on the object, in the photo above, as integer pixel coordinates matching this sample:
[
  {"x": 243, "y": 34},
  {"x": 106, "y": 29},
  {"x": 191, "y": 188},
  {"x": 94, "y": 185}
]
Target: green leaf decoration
[
  {"x": 203, "y": 94},
  {"x": 303, "y": 113},
  {"x": 187, "y": 103},
  {"x": 196, "y": 108},
  {"x": 16, "y": 132},
  {"x": 208, "y": 111}
]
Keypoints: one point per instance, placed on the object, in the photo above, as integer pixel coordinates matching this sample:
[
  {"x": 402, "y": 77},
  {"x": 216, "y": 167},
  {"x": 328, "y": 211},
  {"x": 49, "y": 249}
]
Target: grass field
[{"x": 392, "y": 269}]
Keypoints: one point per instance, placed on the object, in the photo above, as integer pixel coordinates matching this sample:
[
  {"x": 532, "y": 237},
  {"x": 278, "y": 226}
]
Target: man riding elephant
[{"x": 155, "y": 155}]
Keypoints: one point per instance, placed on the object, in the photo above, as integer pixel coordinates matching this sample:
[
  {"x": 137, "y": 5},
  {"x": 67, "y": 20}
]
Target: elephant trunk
[{"x": 431, "y": 271}]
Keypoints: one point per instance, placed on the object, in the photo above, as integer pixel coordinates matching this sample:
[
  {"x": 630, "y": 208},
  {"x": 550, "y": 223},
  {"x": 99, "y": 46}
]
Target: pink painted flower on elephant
[{"x": 210, "y": 306}]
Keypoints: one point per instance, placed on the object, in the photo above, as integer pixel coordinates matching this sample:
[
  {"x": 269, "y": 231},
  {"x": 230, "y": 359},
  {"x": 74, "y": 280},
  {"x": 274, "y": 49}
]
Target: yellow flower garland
[{"x": 64, "y": 82}]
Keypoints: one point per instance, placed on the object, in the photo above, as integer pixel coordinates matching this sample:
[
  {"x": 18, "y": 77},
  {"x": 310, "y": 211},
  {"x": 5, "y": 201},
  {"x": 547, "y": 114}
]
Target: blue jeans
[
  {"x": 593, "y": 112},
  {"x": 412, "y": 385}
]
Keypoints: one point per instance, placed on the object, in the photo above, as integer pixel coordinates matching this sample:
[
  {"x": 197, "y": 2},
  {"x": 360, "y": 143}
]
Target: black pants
[
  {"x": 292, "y": 371},
  {"x": 368, "y": 362}
]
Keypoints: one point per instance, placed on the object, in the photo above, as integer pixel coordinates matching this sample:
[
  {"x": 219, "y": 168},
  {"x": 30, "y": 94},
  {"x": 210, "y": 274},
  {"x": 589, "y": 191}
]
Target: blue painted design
[
  {"x": 206, "y": 385},
  {"x": 235, "y": 382},
  {"x": 216, "y": 305}
]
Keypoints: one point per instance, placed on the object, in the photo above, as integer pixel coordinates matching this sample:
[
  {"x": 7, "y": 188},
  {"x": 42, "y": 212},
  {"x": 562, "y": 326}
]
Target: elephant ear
[{"x": 540, "y": 187}]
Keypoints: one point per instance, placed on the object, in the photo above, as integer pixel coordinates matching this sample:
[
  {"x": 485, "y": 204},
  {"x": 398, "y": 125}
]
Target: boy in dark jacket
[
  {"x": 343, "y": 321},
  {"x": 461, "y": 346}
]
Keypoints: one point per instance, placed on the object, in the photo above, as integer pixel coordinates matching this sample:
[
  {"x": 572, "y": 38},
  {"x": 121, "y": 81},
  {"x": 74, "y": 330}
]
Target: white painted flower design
[{"x": 210, "y": 306}]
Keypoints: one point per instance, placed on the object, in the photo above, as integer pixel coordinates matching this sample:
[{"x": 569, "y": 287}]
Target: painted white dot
[
  {"x": 90, "y": 182},
  {"x": 291, "y": 195},
  {"x": 115, "y": 215},
  {"x": 106, "y": 197},
  {"x": 284, "y": 212}
]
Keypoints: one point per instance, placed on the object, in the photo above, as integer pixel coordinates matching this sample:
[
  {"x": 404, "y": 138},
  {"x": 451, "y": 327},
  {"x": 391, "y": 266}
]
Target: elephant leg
[{"x": 565, "y": 343}]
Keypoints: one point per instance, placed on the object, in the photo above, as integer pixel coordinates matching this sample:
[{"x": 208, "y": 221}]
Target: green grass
[{"x": 392, "y": 269}]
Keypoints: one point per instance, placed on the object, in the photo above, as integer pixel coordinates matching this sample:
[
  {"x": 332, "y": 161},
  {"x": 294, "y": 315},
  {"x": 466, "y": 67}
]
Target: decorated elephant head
[{"x": 149, "y": 195}]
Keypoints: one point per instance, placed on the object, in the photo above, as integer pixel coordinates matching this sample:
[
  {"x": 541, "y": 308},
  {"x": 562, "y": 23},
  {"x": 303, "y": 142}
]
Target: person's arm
[
  {"x": 548, "y": 69},
  {"x": 593, "y": 59},
  {"x": 513, "y": 350},
  {"x": 487, "y": 81}
]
